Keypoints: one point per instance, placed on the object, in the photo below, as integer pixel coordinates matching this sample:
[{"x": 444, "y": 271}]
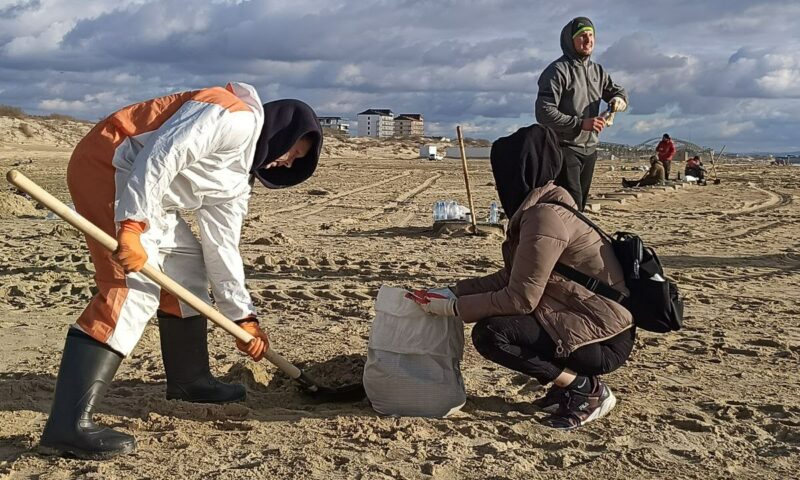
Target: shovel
[{"x": 309, "y": 386}]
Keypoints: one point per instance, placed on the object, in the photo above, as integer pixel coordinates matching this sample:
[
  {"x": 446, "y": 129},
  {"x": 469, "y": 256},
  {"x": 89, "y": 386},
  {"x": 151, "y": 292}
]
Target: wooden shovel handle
[
  {"x": 24, "y": 183},
  {"x": 472, "y": 212}
]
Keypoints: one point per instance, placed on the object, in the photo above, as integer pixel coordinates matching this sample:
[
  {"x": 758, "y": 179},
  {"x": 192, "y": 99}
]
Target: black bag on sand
[{"x": 654, "y": 301}]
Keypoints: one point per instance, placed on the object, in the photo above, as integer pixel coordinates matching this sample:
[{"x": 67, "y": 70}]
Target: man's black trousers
[{"x": 576, "y": 174}]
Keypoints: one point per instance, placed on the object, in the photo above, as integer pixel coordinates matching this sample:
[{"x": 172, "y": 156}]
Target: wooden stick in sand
[
  {"x": 714, "y": 163},
  {"x": 466, "y": 180}
]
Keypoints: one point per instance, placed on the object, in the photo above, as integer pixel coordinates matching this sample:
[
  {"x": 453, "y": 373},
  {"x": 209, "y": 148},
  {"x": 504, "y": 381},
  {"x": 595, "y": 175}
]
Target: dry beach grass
[{"x": 716, "y": 400}]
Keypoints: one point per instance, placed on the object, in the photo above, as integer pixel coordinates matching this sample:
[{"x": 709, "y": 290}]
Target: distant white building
[
  {"x": 376, "y": 122},
  {"x": 409, "y": 125},
  {"x": 334, "y": 123}
]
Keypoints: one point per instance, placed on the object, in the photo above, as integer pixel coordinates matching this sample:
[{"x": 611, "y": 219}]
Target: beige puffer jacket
[{"x": 539, "y": 235}]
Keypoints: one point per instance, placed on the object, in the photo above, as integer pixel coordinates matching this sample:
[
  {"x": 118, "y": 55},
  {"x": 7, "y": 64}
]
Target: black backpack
[{"x": 655, "y": 303}]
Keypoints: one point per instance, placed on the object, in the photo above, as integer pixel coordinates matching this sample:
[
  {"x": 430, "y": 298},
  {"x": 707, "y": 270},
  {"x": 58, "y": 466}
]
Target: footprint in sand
[
  {"x": 231, "y": 426},
  {"x": 276, "y": 295},
  {"x": 784, "y": 433},
  {"x": 305, "y": 262},
  {"x": 265, "y": 260},
  {"x": 301, "y": 295},
  {"x": 765, "y": 342},
  {"x": 62, "y": 288},
  {"x": 648, "y": 459},
  {"x": 85, "y": 268},
  {"x": 691, "y": 425},
  {"x": 741, "y": 351},
  {"x": 778, "y": 410},
  {"x": 329, "y": 295},
  {"x": 18, "y": 291},
  {"x": 356, "y": 295},
  {"x": 81, "y": 291}
]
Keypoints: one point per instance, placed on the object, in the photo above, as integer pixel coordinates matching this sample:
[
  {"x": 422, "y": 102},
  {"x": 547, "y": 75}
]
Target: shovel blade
[{"x": 346, "y": 393}]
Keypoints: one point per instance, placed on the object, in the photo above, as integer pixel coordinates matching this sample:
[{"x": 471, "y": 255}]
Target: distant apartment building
[
  {"x": 334, "y": 123},
  {"x": 409, "y": 125},
  {"x": 376, "y": 122}
]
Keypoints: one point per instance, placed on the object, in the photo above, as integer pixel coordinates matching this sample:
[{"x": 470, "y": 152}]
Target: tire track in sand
[
  {"x": 719, "y": 238},
  {"x": 775, "y": 200},
  {"x": 403, "y": 197},
  {"x": 324, "y": 203}
]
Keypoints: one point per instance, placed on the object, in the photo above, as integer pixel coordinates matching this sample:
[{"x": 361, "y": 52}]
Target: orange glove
[
  {"x": 259, "y": 345},
  {"x": 129, "y": 253}
]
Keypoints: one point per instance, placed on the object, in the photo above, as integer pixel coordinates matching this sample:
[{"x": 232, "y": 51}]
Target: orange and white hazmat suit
[{"x": 148, "y": 162}]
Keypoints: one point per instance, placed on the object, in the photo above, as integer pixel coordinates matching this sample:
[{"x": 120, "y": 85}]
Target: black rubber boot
[
  {"x": 184, "y": 349},
  {"x": 87, "y": 367}
]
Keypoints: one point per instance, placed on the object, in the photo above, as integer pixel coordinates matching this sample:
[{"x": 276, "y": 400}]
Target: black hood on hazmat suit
[
  {"x": 567, "y": 33},
  {"x": 285, "y": 121},
  {"x": 528, "y": 158}
]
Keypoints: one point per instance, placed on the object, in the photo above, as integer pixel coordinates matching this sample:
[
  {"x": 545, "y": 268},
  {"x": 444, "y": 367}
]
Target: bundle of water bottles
[{"x": 451, "y": 210}]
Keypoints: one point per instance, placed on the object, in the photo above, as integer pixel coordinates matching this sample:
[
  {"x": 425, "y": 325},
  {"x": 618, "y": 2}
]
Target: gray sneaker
[{"x": 580, "y": 409}]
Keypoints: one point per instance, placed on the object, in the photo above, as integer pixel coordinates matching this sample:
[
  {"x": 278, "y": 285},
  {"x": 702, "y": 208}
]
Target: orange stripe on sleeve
[
  {"x": 150, "y": 115},
  {"x": 222, "y": 97}
]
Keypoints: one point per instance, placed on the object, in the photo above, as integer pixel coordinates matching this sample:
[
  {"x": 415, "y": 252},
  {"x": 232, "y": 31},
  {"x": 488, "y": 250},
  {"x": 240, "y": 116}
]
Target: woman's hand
[
  {"x": 448, "y": 292},
  {"x": 434, "y": 303}
]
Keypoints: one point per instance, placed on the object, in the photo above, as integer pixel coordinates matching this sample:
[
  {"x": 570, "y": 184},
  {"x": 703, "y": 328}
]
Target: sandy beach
[{"x": 718, "y": 399}]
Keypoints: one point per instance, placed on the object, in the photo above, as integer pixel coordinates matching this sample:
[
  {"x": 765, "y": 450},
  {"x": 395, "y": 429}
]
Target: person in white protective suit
[{"x": 131, "y": 175}]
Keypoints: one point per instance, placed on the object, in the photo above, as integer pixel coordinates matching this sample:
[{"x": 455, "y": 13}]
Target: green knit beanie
[{"x": 580, "y": 25}]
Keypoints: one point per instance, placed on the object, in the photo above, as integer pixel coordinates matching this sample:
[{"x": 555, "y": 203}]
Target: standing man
[
  {"x": 665, "y": 151},
  {"x": 570, "y": 90}
]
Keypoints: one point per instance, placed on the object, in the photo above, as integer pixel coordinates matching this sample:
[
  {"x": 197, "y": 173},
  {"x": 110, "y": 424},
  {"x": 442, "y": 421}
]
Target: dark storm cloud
[
  {"x": 15, "y": 9},
  {"x": 637, "y": 52},
  {"x": 526, "y": 66},
  {"x": 686, "y": 64}
]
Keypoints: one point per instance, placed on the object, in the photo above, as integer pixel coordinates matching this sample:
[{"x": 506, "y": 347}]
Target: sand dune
[{"x": 717, "y": 400}]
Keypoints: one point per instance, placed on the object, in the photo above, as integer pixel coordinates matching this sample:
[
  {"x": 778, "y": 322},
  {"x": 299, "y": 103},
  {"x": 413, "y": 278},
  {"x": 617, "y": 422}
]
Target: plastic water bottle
[
  {"x": 450, "y": 208},
  {"x": 494, "y": 214},
  {"x": 439, "y": 213}
]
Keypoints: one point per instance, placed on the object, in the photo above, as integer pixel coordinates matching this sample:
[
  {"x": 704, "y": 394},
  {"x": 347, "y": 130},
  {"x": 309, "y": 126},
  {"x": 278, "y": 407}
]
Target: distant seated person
[
  {"x": 654, "y": 176},
  {"x": 695, "y": 171}
]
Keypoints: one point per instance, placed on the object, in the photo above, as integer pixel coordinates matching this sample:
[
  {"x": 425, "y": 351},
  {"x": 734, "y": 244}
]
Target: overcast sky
[{"x": 711, "y": 71}]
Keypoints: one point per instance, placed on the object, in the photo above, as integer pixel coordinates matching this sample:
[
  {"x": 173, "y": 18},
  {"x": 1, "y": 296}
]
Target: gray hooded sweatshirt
[{"x": 570, "y": 90}]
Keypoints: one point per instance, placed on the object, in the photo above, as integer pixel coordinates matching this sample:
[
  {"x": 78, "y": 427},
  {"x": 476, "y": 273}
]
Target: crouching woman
[{"x": 533, "y": 320}]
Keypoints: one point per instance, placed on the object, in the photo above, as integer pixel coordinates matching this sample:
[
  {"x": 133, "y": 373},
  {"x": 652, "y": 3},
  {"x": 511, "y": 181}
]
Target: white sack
[{"x": 413, "y": 362}]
